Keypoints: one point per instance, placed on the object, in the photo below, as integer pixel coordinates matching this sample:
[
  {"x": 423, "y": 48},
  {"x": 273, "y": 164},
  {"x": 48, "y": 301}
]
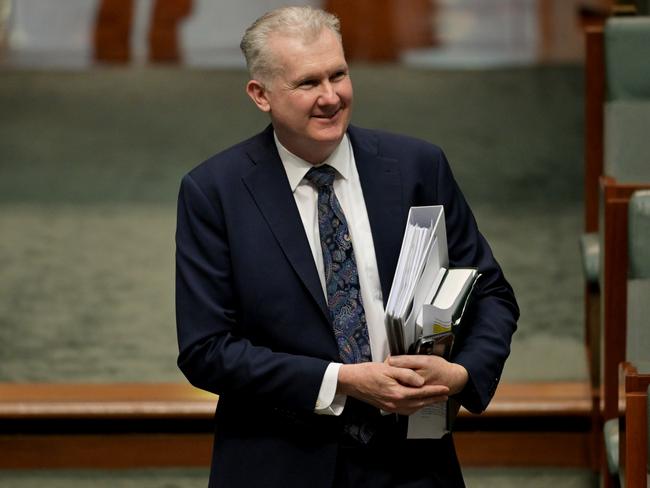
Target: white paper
[
  {"x": 429, "y": 422},
  {"x": 423, "y": 253}
]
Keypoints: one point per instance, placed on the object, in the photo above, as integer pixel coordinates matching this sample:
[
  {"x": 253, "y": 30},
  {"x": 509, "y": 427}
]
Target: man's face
[{"x": 310, "y": 100}]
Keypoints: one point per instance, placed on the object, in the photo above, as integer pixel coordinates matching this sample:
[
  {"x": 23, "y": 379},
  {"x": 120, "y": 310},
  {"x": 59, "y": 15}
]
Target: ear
[{"x": 258, "y": 93}]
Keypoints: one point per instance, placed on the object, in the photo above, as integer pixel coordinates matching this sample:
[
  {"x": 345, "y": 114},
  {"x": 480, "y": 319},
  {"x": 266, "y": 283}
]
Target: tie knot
[{"x": 321, "y": 176}]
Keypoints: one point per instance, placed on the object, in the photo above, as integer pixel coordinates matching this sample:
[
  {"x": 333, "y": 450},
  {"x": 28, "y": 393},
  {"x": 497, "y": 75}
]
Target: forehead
[{"x": 298, "y": 57}]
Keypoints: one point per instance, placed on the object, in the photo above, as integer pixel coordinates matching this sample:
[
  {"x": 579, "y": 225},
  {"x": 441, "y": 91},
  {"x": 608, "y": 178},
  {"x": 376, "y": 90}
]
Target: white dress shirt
[{"x": 347, "y": 188}]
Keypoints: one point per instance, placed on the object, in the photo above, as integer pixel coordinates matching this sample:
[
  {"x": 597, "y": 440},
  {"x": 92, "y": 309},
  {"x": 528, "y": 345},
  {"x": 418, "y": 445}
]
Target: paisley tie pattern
[{"x": 341, "y": 276}]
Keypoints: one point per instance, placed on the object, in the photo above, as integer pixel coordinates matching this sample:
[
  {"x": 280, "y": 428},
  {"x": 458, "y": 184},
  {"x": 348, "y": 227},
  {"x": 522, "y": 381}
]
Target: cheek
[
  {"x": 346, "y": 92},
  {"x": 302, "y": 104}
]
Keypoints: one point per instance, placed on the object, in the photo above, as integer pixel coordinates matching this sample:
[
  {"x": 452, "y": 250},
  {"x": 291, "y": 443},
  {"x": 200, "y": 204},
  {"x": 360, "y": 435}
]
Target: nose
[{"x": 328, "y": 95}]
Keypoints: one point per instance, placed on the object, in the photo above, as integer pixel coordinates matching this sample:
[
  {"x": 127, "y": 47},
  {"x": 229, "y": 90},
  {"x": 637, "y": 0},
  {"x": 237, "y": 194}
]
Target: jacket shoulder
[
  {"x": 232, "y": 162},
  {"x": 395, "y": 146}
]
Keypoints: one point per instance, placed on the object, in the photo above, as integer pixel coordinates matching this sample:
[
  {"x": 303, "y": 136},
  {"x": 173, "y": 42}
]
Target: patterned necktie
[{"x": 341, "y": 277}]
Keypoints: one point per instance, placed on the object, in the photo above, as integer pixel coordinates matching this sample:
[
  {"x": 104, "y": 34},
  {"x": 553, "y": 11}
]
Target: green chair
[
  {"x": 636, "y": 371},
  {"x": 617, "y": 103},
  {"x": 634, "y": 469},
  {"x": 617, "y": 94},
  {"x": 617, "y": 118},
  {"x": 627, "y": 108},
  {"x": 638, "y": 285}
]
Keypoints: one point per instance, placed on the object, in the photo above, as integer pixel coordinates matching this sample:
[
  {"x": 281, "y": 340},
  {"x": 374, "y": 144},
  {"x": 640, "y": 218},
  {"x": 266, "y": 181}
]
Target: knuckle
[{"x": 395, "y": 397}]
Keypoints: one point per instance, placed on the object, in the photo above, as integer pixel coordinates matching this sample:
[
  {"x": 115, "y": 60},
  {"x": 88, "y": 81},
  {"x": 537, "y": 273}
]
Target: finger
[
  {"x": 405, "y": 397},
  {"x": 436, "y": 390},
  {"x": 412, "y": 406},
  {"x": 428, "y": 391},
  {"x": 408, "y": 361},
  {"x": 406, "y": 377}
]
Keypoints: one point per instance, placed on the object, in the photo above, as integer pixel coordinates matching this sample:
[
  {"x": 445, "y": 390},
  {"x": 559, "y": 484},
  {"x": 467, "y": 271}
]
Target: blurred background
[{"x": 105, "y": 104}]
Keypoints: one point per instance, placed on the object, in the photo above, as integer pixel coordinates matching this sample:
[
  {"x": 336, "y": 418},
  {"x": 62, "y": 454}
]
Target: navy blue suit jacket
[{"x": 253, "y": 324}]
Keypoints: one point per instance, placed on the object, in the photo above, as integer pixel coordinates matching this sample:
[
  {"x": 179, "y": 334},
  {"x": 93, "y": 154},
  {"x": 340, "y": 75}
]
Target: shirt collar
[{"x": 296, "y": 168}]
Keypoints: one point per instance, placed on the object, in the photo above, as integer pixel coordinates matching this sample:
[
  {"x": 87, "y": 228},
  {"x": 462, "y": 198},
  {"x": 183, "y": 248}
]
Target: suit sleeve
[
  {"x": 214, "y": 353},
  {"x": 483, "y": 343}
]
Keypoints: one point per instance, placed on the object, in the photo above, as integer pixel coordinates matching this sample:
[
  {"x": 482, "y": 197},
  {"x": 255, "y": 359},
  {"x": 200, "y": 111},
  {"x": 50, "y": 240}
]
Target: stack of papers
[
  {"x": 421, "y": 266},
  {"x": 426, "y": 304}
]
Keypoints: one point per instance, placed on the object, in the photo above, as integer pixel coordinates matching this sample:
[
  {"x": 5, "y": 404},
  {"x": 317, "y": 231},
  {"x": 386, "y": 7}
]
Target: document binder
[{"x": 426, "y": 305}]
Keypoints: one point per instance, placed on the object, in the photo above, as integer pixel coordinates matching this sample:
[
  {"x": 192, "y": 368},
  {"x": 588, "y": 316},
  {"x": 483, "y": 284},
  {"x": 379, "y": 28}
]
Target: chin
[{"x": 329, "y": 134}]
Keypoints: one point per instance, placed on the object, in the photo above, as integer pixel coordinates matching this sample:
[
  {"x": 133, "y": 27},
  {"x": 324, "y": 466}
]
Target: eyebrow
[{"x": 317, "y": 76}]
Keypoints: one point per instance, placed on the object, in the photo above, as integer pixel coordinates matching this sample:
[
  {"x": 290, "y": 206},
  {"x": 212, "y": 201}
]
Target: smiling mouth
[{"x": 328, "y": 116}]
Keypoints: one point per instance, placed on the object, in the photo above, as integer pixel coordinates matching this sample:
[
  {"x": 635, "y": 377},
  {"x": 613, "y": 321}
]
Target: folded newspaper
[{"x": 426, "y": 305}]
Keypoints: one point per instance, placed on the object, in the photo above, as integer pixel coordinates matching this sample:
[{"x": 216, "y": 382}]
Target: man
[{"x": 283, "y": 272}]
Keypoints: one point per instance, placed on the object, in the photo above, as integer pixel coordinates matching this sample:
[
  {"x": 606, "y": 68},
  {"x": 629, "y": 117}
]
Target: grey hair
[{"x": 304, "y": 23}]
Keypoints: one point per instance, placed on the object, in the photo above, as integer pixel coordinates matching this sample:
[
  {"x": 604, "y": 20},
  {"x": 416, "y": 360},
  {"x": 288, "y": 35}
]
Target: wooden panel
[
  {"x": 137, "y": 410},
  {"x": 616, "y": 197},
  {"x": 112, "y": 35},
  {"x": 633, "y": 446},
  {"x": 186, "y": 450},
  {"x": 615, "y": 200},
  {"x": 65, "y": 400},
  {"x": 378, "y": 30},
  {"x": 105, "y": 451},
  {"x": 160, "y": 400},
  {"x": 594, "y": 122},
  {"x": 593, "y": 169},
  {"x": 163, "y": 34},
  {"x": 367, "y": 29},
  {"x": 558, "y": 449},
  {"x": 114, "y": 28},
  {"x": 548, "y": 398},
  {"x": 614, "y": 300}
]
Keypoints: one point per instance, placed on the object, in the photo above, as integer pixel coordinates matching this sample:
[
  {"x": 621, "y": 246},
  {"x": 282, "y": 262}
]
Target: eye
[
  {"x": 339, "y": 75},
  {"x": 308, "y": 83}
]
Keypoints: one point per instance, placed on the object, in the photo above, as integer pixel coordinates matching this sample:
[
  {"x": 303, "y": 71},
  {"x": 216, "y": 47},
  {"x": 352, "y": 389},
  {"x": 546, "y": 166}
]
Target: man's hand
[
  {"x": 390, "y": 388},
  {"x": 434, "y": 370}
]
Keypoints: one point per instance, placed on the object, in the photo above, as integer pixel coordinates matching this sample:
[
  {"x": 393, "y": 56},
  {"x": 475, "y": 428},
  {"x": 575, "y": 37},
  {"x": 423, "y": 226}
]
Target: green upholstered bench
[
  {"x": 617, "y": 108},
  {"x": 626, "y": 117},
  {"x": 617, "y": 103},
  {"x": 637, "y": 339},
  {"x": 626, "y": 113}
]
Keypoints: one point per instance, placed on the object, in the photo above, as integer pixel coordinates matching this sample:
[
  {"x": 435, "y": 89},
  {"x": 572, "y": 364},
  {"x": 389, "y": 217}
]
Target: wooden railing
[{"x": 146, "y": 425}]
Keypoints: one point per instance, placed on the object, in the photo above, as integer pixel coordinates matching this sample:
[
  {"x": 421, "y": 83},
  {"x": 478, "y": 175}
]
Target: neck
[{"x": 314, "y": 154}]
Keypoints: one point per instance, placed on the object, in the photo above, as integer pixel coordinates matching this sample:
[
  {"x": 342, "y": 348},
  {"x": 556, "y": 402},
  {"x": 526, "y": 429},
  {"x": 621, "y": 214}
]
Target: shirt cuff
[{"x": 328, "y": 402}]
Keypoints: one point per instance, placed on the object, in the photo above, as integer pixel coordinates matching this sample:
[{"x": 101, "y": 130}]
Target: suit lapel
[
  {"x": 268, "y": 185},
  {"x": 382, "y": 191}
]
